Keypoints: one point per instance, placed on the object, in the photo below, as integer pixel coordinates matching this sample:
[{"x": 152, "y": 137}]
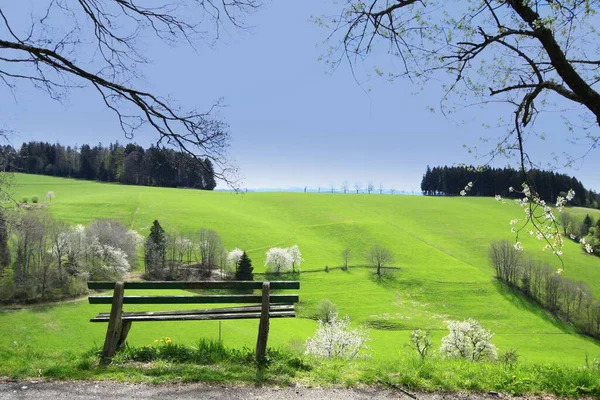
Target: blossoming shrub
[
  {"x": 335, "y": 339},
  {"x": 468, "y": 340}
]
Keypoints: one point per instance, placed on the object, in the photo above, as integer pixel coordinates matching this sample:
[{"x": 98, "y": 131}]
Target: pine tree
[
  {"x": 587, "y": 224},
  {"x": 243, "y": 271},
  {"x": 155, "y": 251},
  {"x": 208, "y": 175}
]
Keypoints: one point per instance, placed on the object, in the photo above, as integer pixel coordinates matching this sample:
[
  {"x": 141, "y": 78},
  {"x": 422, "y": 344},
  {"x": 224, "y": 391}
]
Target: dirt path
[{"x": 113, "y": 390}]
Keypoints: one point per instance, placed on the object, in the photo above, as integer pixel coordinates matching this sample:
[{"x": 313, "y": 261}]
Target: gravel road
[{"x": 111, "y": 390}]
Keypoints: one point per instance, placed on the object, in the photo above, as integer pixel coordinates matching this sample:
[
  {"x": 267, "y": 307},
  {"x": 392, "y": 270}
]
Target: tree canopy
[
  {"x": 534, "y": 56},
  {"x": 59, "y": 46}
]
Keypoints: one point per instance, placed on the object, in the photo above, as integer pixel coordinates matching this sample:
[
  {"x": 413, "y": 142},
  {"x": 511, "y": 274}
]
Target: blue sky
[{"x": 293, "y": 122}]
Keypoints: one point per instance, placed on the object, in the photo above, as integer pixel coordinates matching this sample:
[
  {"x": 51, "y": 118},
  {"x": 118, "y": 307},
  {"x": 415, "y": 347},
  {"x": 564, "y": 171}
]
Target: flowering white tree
[
  {"x": 233, "y": 257},
  {"x": 468, "y": 340},
  {"x": 278, "y": 260},
  {"x": 335, "y": 339},
  {"x": 296, "y": 256}
]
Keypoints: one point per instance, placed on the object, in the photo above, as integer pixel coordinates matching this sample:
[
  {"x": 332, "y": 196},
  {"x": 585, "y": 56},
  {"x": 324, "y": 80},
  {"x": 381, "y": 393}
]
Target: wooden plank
[
  {"x": 113, "y": 331},
  {"x": 225, "y": 310},
  {"x": 201, "y": 317},
  {"x": 241, "y": 285},
  {"x": 263, "y": 326},
  {"x": 205, "y": 299}
]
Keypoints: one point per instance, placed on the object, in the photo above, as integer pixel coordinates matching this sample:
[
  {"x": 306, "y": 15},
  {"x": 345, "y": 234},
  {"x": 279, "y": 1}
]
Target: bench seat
[{"x": 249, "y": 312}]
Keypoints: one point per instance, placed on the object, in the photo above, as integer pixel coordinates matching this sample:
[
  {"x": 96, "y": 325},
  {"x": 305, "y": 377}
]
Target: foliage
[
  {"x": 379, "y": 257},
  {"x": 326, "y": 311},
  {"x": 244, "y": 268},
  {"x": 130, "y": 164},
  {"x": 35, "y": 199},
  {"x": 52, "y": 259},
  {"x": 468, "y": 340},
  {"x": 566, "y": 299},
  {"x": 234, "y": 256},
  {"x": 421, "y": 342},
  {"x": 4, "y": 250},
  {"x": 296, "y": 256},
  {"x": 211, "y": 362},
  {"x": 211, "y": 250},
  {"x": 530, "y": 56},
  {"x": 155, "y": 252},
  {"x": 440, "y": 181},
  {"x": 335, "y": 339},
  {"x": 281, "y": 260}
]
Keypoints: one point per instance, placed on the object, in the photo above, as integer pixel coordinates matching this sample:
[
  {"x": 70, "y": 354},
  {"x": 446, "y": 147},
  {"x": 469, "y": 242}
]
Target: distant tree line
[
  {"x": 449, "y": 181},
  {"x": 572, "y": 302},
  {"x": 130, "y": 164}
]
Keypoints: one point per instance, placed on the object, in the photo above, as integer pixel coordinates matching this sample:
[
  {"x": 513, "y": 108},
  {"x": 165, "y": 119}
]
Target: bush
[
  {"x": 421, "y": 342},
  {"x": 326, "y": 310},
  {"x": 35, "y": 199},
  {"x": 24, "y": 200},
  {"x": 468, "y": 340},
  {"x": 335, "y": 339}
]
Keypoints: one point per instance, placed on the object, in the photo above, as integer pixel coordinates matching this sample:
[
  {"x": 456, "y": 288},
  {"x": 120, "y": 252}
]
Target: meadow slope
[{"x": 440, "y": 247}]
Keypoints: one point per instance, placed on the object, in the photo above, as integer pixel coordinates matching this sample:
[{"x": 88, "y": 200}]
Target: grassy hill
[{"x": 440, "y": 247}]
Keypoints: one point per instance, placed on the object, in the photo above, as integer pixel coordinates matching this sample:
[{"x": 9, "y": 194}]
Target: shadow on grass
[
  {"x": 388, "y": 278},
  {"x": 518, "y": 299}
]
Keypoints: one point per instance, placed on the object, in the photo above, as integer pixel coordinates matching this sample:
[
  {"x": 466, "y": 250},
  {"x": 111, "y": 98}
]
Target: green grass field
[{"x": 440, "y": 247}]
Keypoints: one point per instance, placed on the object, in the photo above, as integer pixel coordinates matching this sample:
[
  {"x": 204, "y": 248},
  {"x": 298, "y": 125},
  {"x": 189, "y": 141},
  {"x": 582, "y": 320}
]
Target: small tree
[
  {"x": 379, "y": 257},
  {"x": 278, "y": 260},
  {"x": 244, "y": 268},
  {"x": 335, "y": 339},
  {"x": 296, "y": 256},
  {"x": 211, "y": 248},
  {"x": 234, "y": 256},
  {"x": 326, "y": 310},
  {"x": 50, "y": 196},
  {"x": 370, "y": 187},
  {"x": 346, "y": 255},
  {"x": 468, "y": 340},
  {"x": 421, "y": 342},
  {"x": 155, "y": 251}
]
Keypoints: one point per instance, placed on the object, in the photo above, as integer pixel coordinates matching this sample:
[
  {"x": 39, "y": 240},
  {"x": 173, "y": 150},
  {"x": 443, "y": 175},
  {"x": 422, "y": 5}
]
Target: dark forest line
[
  {"x": 489, "y": 182},
  {"x": 130, "y": 164}
]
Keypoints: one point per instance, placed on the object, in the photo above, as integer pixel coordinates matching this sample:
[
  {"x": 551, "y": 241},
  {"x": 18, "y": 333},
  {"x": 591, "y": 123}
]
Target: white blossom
[
  {"x": 233, "y": 257},
  {"x": 335, "y": 339},
  {"x": 278, "y": 260},
  {"x": 468, "y": 340}
]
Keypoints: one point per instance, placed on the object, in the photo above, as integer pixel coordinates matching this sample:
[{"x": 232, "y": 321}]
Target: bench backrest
[{"x": 198, "y": 299}]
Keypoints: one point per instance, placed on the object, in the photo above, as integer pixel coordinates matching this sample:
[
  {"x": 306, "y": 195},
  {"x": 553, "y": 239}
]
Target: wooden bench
[{"x": 262, "y": 306}]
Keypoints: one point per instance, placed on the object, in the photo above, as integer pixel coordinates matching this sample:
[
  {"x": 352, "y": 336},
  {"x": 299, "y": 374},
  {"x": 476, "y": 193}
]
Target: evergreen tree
[
  {"x": 587, "y": 224},
  {"x": 243, "y": 271},
  {"x": 208, "y": 175},
  {"x": 155, "y": 251}
]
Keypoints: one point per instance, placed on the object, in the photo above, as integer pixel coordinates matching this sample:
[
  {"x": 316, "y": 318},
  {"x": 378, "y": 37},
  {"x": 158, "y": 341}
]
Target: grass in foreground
[{"x": 211, "y": 362}]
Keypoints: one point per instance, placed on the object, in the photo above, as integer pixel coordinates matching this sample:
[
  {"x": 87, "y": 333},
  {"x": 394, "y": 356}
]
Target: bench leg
[
  {"x": 263, "y": 326},
  {"x": 115, "y": 324},
  {"x": 125, "y": 327}
]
